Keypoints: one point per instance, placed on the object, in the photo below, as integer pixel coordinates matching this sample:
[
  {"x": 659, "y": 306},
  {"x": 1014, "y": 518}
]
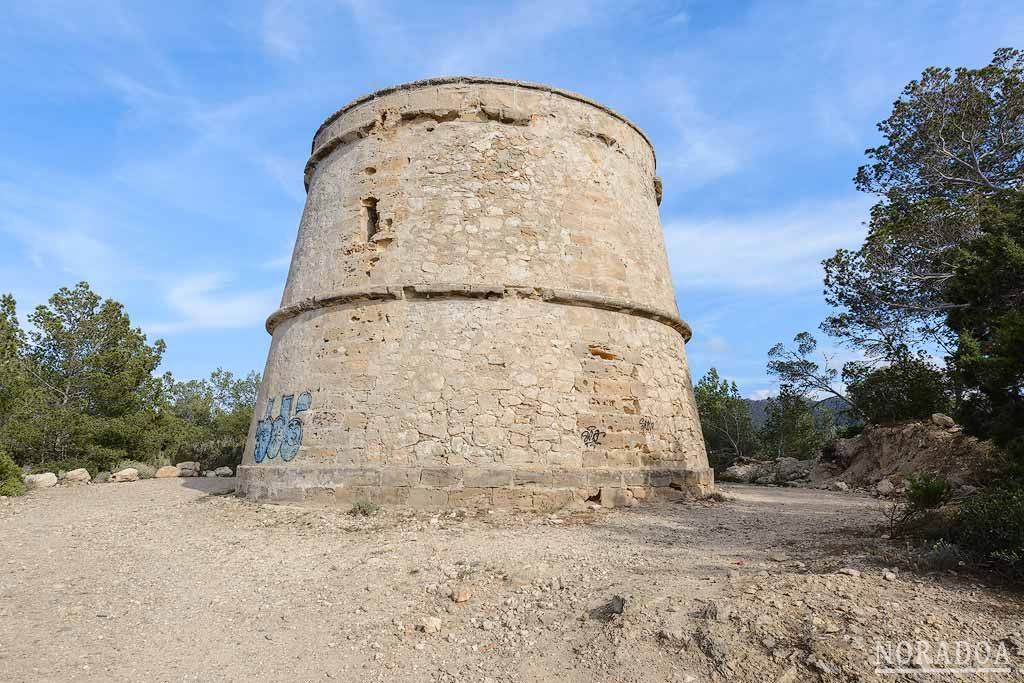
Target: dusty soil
[{"x": 170, "y": 580}]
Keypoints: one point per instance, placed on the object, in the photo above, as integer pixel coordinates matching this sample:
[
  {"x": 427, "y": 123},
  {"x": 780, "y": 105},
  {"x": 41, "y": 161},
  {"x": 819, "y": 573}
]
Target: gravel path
[{"x": 172, "y": 580}]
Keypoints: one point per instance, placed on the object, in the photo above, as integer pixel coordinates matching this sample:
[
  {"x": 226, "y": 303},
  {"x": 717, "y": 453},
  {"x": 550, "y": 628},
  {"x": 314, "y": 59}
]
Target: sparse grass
[
  {"x": 364, "y": 507},
  {"x": 717, "y": 497}
]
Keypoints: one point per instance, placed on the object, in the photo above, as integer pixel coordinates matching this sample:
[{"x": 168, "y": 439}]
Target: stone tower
[{"x": 479, "y": 311}]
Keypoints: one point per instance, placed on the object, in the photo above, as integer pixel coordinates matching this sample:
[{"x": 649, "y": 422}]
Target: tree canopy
[
  {"x": 78, "y": 387},
  {"x": 725, "y": 419}
]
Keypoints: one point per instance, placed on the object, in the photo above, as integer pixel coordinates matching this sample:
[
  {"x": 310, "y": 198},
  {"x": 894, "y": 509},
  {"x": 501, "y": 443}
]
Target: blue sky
[{"x": 156, "y": 149}]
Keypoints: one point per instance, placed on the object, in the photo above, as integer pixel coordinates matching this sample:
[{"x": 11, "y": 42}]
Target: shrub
[
  {"x": 926, "y": 491},
  {"x": 849, "y": 431},
  {"x": 11, "y": 483},
  {"x": 909, "y": 389},
  {"x": 364, "y": 507},
  {"x": 991, "y": 526},
  {"x": 146, "y": 471}
]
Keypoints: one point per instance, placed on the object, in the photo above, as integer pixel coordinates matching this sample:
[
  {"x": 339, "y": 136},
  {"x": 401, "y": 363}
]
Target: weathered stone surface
[
  {"x": 127, "y": 474},
  {"x": 616, "y": 498},
  {"x": 165, "y": 472},
  {"x": 41, "y": 481},
  {"x": 940, "y": 420},
  {"x": 224, "y": 472},
  {"x": 885, "y": 487},
  {"x": 189, "y": 469},
  {"x": 479, "y": 301},
  {"x": 77, "y": 476}
]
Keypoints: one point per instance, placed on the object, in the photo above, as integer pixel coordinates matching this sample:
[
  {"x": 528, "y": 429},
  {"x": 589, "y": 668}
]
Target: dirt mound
[
  {"x": 893, "y": 452},
  {"x": 880, "y": 459}
]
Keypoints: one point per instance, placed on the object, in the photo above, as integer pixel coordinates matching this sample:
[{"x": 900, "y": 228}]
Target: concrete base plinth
[{"x": 469, "y": 487}]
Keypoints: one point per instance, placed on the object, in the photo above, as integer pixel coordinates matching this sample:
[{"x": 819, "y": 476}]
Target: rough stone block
[
  {"x": 440, "y": 476},
  {"x": 487, "y": 477},
  {"x": 475, "y": 498},
  {"x": 549, "y": 500},
  {"x": 400, "y": 476},
  {"x": 616, "y": 498},
  {"x": 427, "y": 498}
]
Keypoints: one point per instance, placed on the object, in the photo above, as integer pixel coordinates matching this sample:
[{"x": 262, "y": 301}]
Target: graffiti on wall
[
  {"x": 592, "y": 436},
  {"x": 646, "y": 424},
  {"x": 281, "y": 435}
]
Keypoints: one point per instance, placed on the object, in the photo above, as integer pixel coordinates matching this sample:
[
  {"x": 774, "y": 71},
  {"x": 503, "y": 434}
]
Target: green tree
[
  {"x": 988, "y": 288},
  {"x": 798, "y": 369},
  {"x": 88, "y": 382},
  {"x": 909, "y": 388},
  {"x": 725, "y": 419},
  {"x": 212, "y": 417},
  {"x": 790, "y": 429},
  {"x": 954, "y": 139}
]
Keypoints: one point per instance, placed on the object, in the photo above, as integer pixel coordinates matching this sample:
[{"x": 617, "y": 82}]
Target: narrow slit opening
[{"x": 370, "y": 217}]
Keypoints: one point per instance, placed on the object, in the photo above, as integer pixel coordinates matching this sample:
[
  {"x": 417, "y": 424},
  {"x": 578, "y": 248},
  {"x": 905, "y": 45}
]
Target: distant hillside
[{"x": 838, "y": 408}]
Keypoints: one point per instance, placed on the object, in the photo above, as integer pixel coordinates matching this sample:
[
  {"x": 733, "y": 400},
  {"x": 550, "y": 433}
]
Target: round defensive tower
[{"x": 479, "y": 311}]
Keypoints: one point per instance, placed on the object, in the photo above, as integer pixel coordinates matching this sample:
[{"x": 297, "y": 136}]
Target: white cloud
[
  {"x": 285, "y": 30},
  {"x": 703, "y": 147},
  {"x": 525, "y": 25},
  {"x": 205, "y": 301},
  {"x": 781, "y": 250}
]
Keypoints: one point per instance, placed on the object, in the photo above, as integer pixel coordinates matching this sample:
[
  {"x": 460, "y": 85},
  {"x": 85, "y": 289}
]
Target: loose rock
[
  {"x": 41, "y": 481},
  {"x": 189, "y": 469},
  {"x": 78, "y": 476},
  {"x": 430, "y": 625},
  {"x": 166, "y": 472},
  {"x": 127, "y": 474}
]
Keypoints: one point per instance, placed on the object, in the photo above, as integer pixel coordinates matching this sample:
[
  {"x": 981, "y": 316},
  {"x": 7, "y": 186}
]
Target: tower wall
[{"x": 479, "y": 311}]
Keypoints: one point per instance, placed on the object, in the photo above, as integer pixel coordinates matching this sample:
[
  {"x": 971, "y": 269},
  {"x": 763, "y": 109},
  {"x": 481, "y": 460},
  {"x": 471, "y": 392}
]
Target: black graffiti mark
[
  {"x": 647, "y": 424},
  {"x": 592, "y": 436}
]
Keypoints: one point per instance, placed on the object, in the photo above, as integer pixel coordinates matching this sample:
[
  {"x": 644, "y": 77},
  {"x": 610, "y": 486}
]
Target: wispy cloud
[
  {"x": 207, "y": 300},
  {"x": 285, "y": 28},
  {"x": 780, "y": 250},
  {"x": 703, "y": 147}
]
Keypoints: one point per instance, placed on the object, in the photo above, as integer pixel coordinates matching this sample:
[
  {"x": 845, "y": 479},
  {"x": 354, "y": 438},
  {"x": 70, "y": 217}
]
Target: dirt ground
[{"x": 178, "y": 580}]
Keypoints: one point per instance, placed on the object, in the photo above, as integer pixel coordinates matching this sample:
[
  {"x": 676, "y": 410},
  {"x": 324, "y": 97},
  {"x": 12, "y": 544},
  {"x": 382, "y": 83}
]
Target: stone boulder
[
  {"x": 781, "y": 471},
  {"x": 79, "y": 476},
  {"x": 791, "y": 469},
  {"x": 127, "y": 474},
  {"x": 885, "y": 488},
  {"x": 189, "y": 469},
  {"x": 744, "y": 471},
  {"x": 224, "y": 472},
  {"x": 41, "y": 481},
  {"x": 945, "y": 421},
  {"x": 166, "y": 472}
]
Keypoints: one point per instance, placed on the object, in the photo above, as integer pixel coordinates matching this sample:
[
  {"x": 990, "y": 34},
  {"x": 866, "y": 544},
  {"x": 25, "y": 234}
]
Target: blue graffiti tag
[{"x": 281, "y": 435}]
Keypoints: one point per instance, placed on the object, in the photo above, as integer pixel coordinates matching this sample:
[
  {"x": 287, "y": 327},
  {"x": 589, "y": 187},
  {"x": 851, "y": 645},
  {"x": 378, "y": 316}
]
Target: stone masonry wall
[{"x": 479, "y": 312}]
